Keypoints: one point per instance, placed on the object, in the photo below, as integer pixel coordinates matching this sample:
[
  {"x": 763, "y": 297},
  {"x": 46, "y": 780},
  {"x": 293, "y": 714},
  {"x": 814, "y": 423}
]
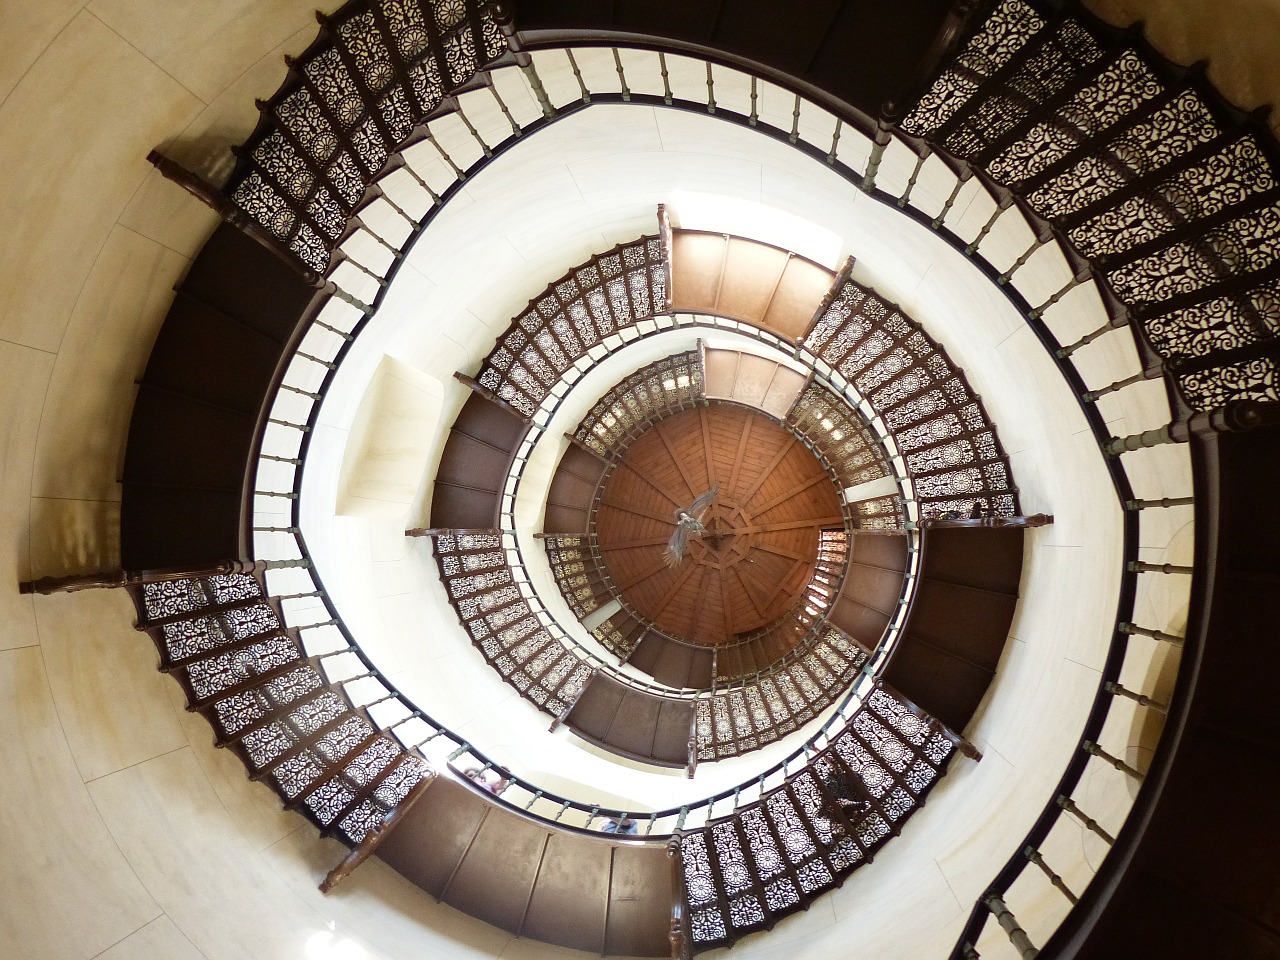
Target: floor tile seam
[
  {"x": 39, "y": 496},
  {"x": 89, "y": 793},
  {"x": 54, "y": 39},
  {"x": 129, "y": 43},
  {"x": 27, "y": 346},
  {"x": 947, "y": 881},
  {"x": 187, "y": 259},
  {"x": 131, "y": 933},
  {"x": 137, "y": 763}
]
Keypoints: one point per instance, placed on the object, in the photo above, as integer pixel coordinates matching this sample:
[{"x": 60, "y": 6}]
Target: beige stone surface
[
  {"x": 208, "y": 52},
  {"x": 254, "y": 808},
  {"x": 24, "y": 378},
  {"x": 28, "y": 28},
  {"x": 66, "y": 889},
  {"x": 104, "y": 350},
  {"x": 111, "y": 699},
  {"x": 185, "y": 849},
  {"x": 158, "y": 939},
  {"x": 74, "y": 536},
  {"x": 89, "y": 110},
  {"x": 378, "y": 905}
]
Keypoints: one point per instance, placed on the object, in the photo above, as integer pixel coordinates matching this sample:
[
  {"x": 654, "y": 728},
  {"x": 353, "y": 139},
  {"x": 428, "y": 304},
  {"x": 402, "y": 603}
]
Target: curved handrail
[
  {"x": 1007, "y": 279},
  {"x": 819, "y": 154}
]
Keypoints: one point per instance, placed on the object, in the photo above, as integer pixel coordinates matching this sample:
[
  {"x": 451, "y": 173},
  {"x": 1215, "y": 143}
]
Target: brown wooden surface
[
  {"x": 200, "y": 403},
  {"x": 586, "y": 891},
  {"x": 868, "y": 599},
  {"x": 632, "y": 723},
  {"x": 761, "y": 545},
  {"x": 573, "y": 486},
  {"x": 473, "y": 467},
  {"x": 672, "y": 663},
  {"x": 951, "y": 644},
  {"x": 745, "y": 280},
  {"x": 750, "y": 379}
]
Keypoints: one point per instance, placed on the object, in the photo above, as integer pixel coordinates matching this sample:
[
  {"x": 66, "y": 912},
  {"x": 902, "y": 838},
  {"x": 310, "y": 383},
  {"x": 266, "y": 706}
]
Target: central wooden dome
[{"x": 761, "y": 542}]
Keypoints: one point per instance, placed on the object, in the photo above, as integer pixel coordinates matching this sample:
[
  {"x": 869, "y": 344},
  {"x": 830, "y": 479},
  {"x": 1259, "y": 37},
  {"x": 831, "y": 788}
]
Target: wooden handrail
[{"x": 374, "y": 838}]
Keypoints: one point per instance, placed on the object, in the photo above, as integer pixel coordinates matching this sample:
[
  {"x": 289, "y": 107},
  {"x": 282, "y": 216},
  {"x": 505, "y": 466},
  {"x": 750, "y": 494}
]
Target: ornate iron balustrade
[
  {"x": 775, "y": 856},
  {"x": 848, "y": 446},
  {"x": 350, "y": 103},
  {"x": 586, "y": 306},
  {"x": 1169, "y": 193},
  {"x": 275, "y": 704},
  {"x": 1165, "y": 196},
  {"x": 662, "y": 388},
  {"x": 478, "y": 577},
  {"x": 761, "y": 709},
  {"x": 947, "y": 442},
  {"x": 854, "y": 158}
]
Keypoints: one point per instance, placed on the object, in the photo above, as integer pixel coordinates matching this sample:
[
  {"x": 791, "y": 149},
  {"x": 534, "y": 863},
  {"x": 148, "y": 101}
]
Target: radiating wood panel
[{"x": 760, "y": 547}]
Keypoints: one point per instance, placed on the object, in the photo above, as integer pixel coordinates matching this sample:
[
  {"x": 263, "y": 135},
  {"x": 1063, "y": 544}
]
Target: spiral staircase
[{"x": 1160, "y": 196}]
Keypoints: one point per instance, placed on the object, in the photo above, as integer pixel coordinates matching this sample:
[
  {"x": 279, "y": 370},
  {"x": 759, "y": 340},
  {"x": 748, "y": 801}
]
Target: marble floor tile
[
  {"x": 254, "y": 808},
  {"x": 382, "y": 908},
  {"x": 207, "y": 52},
  {"x": 185, "y": 849},
  {"x": 85, "y": 422},
  {"x": 66, "y": 890},
  {"x": 158, "y": 940},
  {"x": 71, "y": 173},
  {"x": 28, "y": 29},
  {"x": 24, "y": 379},
  {"x": 112, "y": 702}
]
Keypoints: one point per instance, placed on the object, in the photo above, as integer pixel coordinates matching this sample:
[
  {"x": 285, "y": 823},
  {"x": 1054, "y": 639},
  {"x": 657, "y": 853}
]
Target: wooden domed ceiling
[{"x": 760, "y": 546}]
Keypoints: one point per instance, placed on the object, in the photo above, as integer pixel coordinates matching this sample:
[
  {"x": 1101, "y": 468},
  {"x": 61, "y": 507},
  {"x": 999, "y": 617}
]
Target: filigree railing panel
[
  {"x": 377, "y": 69},
  {"x": 800, "y": 840},
  {"x": 853, "y": 452},
  {"x": 946, "y": 440},
  {"x": 609, "y": 292},
  {"x": 768, "y": 707},
  {"x": 660, "y": 389},
  {"x": 577, "y": 574},
  {"x": 513, "y": 640},
  {"x": 1003, "y": 34},
  {"x": 272, "y": 703},
  {"x": 1170, "y": 193}
]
